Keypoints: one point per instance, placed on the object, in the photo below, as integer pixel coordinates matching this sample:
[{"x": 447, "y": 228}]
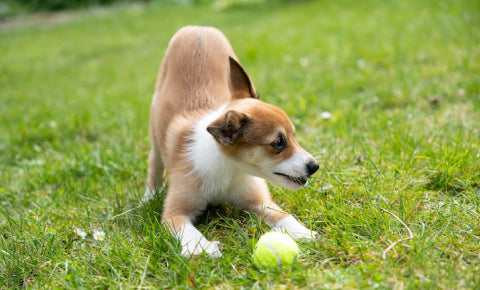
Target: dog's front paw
[
  {"x": 303, "y": 234},
  {"x": 295, "y": 229},
  {"x": 194, "y": 243},
  {"x": 196, "y": 248}
]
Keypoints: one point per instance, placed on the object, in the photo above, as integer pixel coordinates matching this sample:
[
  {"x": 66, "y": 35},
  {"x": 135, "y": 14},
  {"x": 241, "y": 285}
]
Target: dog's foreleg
[
  {"x": 192, "y": 241},
  {"x": 258, "y": 200},
  {"x": 180, "y": 208},
  {"x": 294, "y": 228},
  {"x": 283, "y": 222}
]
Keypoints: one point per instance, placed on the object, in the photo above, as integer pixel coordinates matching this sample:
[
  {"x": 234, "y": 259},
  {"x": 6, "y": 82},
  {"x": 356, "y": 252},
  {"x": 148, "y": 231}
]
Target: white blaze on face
[{"x": 294, "y": 167}]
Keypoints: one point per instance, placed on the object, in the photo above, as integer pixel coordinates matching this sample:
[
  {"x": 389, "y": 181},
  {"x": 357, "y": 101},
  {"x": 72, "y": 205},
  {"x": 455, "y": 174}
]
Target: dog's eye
[{"x": 279, "y": 144}]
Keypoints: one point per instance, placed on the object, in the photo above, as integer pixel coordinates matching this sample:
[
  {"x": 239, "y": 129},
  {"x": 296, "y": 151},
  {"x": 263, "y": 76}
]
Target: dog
[{"x": 218, "y": 141}]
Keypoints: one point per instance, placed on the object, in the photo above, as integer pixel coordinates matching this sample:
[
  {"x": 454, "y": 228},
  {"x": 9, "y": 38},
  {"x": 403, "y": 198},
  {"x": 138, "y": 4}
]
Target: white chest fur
[{"x": 217, "y": 172}]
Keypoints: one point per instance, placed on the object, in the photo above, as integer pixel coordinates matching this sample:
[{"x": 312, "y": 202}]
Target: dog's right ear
[
  {"x": 241, "y": 85},
  {"x": 228, "y": 127}
]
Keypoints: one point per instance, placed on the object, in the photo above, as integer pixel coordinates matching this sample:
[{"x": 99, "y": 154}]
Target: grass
[{"x": 401, "y": 79}]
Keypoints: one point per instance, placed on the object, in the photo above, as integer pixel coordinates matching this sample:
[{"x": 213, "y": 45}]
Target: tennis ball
[{"x": 275, "y": 249}]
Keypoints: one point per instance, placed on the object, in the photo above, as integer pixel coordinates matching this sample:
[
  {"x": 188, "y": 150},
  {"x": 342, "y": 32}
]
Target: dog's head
[{"x": 260, "y": 138}]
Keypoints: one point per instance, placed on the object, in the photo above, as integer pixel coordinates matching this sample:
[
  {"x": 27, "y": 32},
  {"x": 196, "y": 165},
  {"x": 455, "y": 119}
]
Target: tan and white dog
[{"x": 218, "y": 141}]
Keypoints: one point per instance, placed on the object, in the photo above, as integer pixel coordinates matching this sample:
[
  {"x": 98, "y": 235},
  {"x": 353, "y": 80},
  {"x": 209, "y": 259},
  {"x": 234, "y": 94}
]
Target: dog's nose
[{"x": 312, "y": 167}]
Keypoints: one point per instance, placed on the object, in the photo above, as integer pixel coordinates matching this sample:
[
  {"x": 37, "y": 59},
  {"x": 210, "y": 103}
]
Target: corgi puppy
[{"x": 218, "y": 141}]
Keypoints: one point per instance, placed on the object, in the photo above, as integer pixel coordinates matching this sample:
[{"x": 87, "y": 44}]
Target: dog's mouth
[{"x": 297, "y": 180}]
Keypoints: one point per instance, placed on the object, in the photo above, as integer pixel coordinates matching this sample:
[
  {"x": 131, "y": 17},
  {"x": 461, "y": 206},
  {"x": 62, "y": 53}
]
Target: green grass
[{"x": 401, "y": 79}]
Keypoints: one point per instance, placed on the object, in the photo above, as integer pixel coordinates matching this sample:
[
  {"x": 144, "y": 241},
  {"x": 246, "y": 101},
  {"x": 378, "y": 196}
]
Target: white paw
[
  {"x": 194, "y": 243},
  {"x": 196, "y": 248},
  {"x": 303, "y": 234},
  {"x": 295, "y": 229},
  {"x": 149, "y": 195}
]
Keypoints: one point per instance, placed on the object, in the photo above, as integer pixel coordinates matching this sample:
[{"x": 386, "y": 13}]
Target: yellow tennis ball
[{"x": 274, "y": 250}]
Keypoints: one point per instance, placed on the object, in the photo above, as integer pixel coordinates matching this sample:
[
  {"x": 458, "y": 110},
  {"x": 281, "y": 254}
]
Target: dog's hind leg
[{"x": 156, "y": 172}]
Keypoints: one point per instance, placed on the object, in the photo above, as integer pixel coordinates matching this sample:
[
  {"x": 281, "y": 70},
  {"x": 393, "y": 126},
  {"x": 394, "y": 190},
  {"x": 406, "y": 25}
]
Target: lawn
[{"x": 401, "y": 80}]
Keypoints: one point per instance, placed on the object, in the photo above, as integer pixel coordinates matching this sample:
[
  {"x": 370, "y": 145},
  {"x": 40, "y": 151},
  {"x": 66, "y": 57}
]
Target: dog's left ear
[
  {"x": 241, "y": 85},
  {"x": 228, "y": 127}
]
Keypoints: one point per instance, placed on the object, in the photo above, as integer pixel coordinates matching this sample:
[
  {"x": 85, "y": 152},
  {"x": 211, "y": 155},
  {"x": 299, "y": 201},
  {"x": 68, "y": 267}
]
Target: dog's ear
[
  {"x": 228, "y": 127},
  {"x": 241, "y": 86}
]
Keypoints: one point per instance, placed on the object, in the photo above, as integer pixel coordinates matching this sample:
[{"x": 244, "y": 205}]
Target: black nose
[{"x": 312, "y": 167}]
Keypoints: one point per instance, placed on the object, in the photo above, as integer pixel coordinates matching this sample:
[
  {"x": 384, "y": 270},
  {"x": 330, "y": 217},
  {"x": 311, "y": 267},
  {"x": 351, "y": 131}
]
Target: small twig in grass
[{"x": 410, "y": 235}]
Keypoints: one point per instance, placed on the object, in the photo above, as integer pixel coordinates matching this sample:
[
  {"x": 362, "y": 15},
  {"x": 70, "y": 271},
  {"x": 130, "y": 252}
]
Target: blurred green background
[{"x": 400, "y": 79}]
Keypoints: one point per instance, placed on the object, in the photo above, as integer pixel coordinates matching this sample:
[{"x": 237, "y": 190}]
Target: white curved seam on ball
[{"x": 267, "y": 243}]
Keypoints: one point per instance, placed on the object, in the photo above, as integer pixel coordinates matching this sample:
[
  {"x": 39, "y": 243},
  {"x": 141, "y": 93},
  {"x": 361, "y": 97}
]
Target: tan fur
[{"x": 196, "y": 78}]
